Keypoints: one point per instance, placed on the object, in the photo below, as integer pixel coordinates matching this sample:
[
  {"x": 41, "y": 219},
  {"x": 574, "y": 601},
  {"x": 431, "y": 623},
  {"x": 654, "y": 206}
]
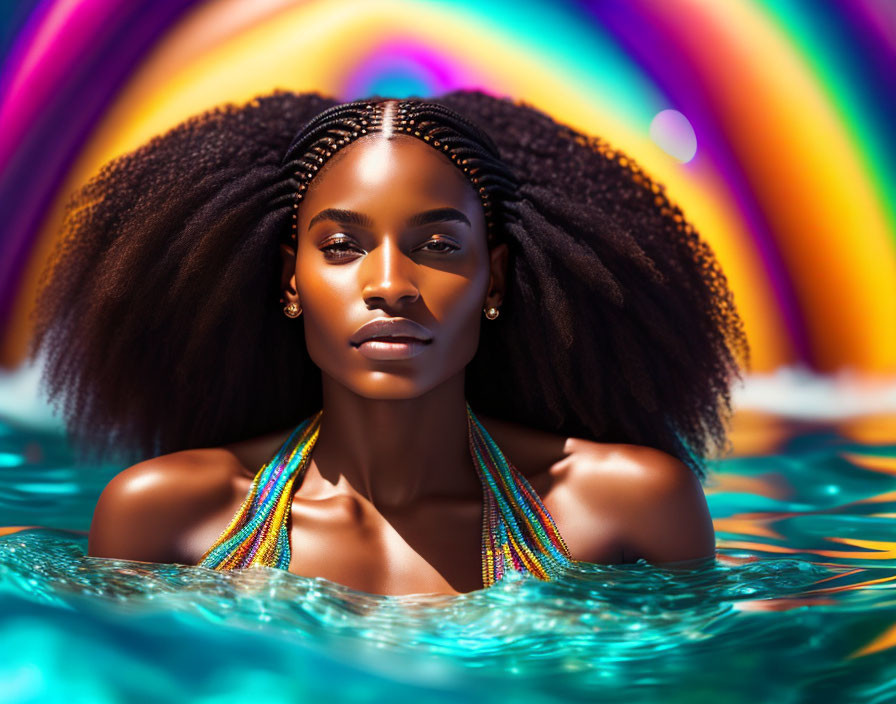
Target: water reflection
[{"x": 800, "y": 595}]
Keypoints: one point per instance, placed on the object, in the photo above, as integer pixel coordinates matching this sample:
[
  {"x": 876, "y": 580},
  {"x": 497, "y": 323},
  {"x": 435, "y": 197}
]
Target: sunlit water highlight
[{"x": 799, "y": 605}]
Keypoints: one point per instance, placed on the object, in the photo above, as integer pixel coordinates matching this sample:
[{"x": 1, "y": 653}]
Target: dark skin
[{"x": 391, "y": 503}]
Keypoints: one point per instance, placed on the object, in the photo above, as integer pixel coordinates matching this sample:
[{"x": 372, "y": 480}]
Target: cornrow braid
[{"x": 470, "y": 148}]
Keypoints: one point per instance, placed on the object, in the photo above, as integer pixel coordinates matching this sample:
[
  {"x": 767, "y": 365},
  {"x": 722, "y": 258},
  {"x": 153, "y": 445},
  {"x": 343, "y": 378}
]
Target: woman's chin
[{"x": 389, "y": 386}]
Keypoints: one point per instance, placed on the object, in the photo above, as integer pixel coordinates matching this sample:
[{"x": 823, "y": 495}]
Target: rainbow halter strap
[{"x": 518, "y": 533}]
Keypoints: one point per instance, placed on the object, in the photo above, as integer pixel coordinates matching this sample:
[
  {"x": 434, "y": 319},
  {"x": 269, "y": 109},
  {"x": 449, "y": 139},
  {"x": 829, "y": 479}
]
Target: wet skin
[{"x": 391, "y": 503}]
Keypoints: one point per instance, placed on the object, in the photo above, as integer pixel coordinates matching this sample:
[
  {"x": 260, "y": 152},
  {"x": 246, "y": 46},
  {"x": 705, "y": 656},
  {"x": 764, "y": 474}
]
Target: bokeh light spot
[{"x": 672, "y": 132}]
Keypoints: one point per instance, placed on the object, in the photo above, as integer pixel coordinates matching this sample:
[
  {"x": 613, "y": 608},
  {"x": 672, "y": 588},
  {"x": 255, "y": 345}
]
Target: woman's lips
[{"x": 391, "y": 347}]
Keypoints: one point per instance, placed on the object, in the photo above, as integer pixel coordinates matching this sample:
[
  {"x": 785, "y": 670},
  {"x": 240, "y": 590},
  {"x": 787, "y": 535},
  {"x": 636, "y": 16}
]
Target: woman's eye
[
  {"x": 338, "y": 250},
  {"x": 344, "y": 249},
  {"x": 440, "y": 246}
]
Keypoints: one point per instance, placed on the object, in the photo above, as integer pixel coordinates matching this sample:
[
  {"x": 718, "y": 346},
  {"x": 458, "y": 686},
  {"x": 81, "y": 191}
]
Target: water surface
[{"x": 798, "y": 606}]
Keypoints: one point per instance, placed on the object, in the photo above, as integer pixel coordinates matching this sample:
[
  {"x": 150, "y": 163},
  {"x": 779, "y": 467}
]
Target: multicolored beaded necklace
[{"x": 518, "y": 533}]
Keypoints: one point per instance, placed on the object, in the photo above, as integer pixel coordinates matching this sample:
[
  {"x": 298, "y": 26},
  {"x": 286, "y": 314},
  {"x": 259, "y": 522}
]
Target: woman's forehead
[{"x": 396, "y": 165}]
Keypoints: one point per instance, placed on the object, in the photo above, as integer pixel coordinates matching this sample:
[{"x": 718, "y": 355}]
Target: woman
[{"x": 313, "y": 335}]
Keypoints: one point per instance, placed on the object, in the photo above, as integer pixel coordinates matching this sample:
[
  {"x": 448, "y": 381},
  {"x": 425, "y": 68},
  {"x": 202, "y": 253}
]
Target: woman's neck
[{"x": 396, "y": 452}]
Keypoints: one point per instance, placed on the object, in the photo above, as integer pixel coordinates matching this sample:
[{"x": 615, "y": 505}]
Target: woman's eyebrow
[
  {"x": 350, "y": 217},
  {"x": 437, "y": 215}
]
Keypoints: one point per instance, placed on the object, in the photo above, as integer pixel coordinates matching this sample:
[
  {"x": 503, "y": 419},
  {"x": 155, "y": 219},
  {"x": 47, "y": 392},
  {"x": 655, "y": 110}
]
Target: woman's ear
[
  {"x": 288, "y": 274},
  {"x": 498, "y": 278}
]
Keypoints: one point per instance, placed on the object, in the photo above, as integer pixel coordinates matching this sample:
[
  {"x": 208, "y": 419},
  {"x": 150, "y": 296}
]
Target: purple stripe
[
  {"x": 869, "y": 33},
  {"x": 63, "y": 48},
  {"x": 20, "y": 43},
  {"x": 39, "y": 165},
  {"x": 650, "y": 46}
]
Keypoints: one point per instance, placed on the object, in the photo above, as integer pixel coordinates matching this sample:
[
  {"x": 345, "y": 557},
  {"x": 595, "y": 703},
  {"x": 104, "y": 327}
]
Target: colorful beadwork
[{"x": 518, "y": 533}]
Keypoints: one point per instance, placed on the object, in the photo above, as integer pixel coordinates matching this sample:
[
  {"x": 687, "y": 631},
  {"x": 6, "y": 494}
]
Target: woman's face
[{"x": 392, "y": 229}]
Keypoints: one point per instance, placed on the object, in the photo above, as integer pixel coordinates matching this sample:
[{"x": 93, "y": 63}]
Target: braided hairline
[{"x": 468, "y": 146}]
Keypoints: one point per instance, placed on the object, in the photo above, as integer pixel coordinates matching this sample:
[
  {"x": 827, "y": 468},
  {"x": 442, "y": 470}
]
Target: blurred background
[{"x": 769, "y": 122}]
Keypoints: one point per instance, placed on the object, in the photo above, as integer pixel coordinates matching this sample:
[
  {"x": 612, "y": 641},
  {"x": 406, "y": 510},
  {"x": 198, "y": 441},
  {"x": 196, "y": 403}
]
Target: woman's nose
[{"x": 387, "y": 274}]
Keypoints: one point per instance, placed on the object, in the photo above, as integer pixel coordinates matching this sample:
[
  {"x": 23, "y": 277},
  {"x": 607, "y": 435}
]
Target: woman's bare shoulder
[
  {"x": 144, "y": 509},
  {"x": 651, "y": 503},
  {"x": 534, "y": 451},
  {"x": 655, "y": 500}
]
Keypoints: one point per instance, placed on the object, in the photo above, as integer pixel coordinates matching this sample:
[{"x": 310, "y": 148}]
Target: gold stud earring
[
  {"x": 292, "y": 310},
  {"x": 491, "y": 313}
]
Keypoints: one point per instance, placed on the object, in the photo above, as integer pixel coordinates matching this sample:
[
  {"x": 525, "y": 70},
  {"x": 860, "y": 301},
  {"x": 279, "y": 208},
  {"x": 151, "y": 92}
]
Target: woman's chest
[{"x": 434, "y": 547}]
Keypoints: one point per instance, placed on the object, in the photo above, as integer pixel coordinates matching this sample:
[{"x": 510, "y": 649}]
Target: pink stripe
[
  {"x": 25, "y": 37},
  {"x": 47, "y": 52}
]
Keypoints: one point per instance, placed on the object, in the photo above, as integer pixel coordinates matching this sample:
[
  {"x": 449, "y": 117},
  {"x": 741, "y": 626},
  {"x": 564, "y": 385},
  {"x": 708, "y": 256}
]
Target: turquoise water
[{"x": 800, "y": 604}]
